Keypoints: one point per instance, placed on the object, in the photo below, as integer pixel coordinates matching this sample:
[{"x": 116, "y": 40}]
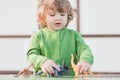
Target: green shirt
[{"x": 58, "y": 46}]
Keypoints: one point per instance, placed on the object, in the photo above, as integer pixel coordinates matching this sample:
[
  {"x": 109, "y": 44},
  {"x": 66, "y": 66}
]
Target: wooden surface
[{"x": 9, "y": 75}]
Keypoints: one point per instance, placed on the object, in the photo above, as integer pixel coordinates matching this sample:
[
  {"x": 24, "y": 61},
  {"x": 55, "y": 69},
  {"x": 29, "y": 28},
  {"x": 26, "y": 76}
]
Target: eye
[
  {"x": 62, "y": 14},
  {"x": 52, "y": 14}
]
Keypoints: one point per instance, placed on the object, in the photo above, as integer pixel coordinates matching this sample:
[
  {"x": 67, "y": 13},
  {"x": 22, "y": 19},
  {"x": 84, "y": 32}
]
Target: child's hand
[
  {"x": 48, "y": 67},
  {"x": 83, "y": 67}
]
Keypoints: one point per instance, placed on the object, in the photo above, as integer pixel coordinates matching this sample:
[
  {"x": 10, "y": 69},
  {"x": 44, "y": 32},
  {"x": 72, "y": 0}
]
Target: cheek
[
  {"x": 65, "y": 20},
  {"x": 48, "y": 20}
]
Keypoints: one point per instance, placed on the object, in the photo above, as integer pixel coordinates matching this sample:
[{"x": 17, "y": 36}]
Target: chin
[{"x": 59, "y": 28}]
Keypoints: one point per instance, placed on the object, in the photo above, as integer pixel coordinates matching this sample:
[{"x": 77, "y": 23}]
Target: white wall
[
  {"x": 97, "y": 17},
  {"x": 106, "y": 53},
  {"x": 102, "y": 17},
  {"x": 17, "y": 17},
  {"x": 13, "y": 53}
]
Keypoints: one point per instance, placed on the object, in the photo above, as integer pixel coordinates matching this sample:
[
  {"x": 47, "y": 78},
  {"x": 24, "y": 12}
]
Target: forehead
[{"x": 54, "y": 11}]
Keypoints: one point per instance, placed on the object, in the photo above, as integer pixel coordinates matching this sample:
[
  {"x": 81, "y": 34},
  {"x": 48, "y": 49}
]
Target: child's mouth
[{"x": 57, "y": 24}]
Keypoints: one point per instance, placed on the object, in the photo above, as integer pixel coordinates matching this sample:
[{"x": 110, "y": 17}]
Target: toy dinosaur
[
  {"x": 75, "y": 69},
  {"x": 63, "y": 69},
  {"x": 25, "y": 72}
]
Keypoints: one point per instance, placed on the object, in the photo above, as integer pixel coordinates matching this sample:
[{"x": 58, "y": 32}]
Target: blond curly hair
[{"x": 57, "y": 5}]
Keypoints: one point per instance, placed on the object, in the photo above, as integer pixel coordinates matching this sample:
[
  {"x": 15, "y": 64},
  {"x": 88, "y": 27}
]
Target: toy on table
[
  {"x": 75, "y": 69},
  {"x": 63, "y": 69},
  {"x": 26, "y": 72}
]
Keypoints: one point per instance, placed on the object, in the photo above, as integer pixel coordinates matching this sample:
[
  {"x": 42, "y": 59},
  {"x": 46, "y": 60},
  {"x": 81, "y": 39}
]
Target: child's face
[{"x": 56, "y": 20}]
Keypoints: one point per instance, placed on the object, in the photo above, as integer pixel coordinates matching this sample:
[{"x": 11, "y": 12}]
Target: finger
[
  {"x": 50, "y": 70},
  {"x": 44, "y": 70},
  {"x": 85, "y": 70},
  {"x": 56, "y": 67},
  {"x": 81, "y": 70}
]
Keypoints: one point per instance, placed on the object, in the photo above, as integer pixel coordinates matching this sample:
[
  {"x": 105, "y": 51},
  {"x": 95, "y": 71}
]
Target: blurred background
[{"x": 98, "y": 21}]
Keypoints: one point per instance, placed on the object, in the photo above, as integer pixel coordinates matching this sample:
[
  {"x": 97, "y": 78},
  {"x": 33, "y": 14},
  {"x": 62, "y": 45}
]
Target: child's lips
[{"x": 57, "y": 24}]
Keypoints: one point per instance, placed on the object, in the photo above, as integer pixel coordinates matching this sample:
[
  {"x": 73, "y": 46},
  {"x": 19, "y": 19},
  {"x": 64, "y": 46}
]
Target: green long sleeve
[
  {"x": 58, "y": 46},
  {"x": 83, "y": 51}
]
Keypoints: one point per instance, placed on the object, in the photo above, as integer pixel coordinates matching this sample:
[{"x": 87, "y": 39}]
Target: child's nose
[{"x": 58, "y": 17}]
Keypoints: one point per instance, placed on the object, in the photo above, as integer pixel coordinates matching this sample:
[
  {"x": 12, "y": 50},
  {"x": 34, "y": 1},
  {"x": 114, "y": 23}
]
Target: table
[{"x": 33, "y": 77}]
